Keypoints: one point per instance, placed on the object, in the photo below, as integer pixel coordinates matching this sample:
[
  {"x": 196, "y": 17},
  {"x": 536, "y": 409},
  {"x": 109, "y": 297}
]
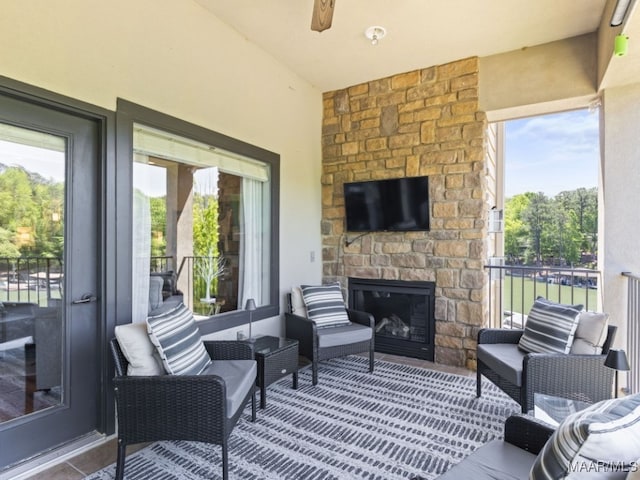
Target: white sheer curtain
[
  {"x": 141, "y": 253},
  {"x": 251, "y": 283}
]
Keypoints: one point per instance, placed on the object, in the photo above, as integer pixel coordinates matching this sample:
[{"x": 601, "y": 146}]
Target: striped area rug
[{"x": 400, "y": 422}]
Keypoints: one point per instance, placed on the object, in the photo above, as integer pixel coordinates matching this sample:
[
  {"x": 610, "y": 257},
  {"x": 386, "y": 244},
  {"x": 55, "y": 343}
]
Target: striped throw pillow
[
  {"x": 177, "y": 339},
  {"x": 602, "y": 441},
  {"x": 325, "y": 305},
  {"x": 550, "y": 327}
]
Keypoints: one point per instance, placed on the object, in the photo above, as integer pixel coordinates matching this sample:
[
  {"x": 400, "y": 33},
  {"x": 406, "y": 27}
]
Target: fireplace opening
[{"x": 403, "y": 313}]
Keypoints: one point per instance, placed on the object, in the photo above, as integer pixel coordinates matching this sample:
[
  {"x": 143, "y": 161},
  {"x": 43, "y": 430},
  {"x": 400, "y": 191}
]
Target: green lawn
[
  {"x": 519, "y": 293},
  {"x": 32, "y": 296}
]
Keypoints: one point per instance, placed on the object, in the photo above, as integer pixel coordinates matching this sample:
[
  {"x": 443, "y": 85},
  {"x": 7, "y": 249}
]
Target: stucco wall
[
  {"x": 541, "y": 79},
  {"x": 620, "y": 196},
  {"x": 206, "y": 74}
]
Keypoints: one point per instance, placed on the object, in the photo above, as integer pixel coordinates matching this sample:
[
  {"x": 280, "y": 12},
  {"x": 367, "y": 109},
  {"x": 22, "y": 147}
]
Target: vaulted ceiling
[{"x": 420, "y": 33}]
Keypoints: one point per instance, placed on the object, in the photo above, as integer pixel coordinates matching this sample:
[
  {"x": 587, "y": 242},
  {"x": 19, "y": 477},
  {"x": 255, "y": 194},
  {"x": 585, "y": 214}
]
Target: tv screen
[{"x": 397, "y": 204}]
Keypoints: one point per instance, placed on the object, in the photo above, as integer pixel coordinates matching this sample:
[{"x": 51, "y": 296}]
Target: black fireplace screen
[
  {"x": 398, "y": 315},
  {"x": 404, "y": 313}
]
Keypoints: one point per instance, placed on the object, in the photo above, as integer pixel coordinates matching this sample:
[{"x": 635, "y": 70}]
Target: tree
[
  {"x": 556, "y": 230},
  {"x": 7, "y": 248},
  {"x": 158, "y": 212},
  {"x": 584, "y": 203},
  {"x": 537, "y": 216},
  {"x": 210, "y": 267},
  {"x": 515, "y": 229},
  {"x": 31, "y": 210},
  {"x": 562, "y": 238},
  {"x": 210, "y": 264}
]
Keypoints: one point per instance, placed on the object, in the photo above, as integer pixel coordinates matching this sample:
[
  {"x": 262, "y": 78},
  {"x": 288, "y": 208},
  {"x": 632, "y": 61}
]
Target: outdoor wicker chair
[
  {"x": 179, "y": 407},
  {"x": 317, "y": 344},
  {"x": 579, "y": 377},
  {"x": 509, "y": 458}
]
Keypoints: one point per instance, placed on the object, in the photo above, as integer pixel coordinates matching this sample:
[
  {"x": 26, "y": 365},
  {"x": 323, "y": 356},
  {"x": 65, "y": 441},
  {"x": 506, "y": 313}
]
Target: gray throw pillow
[
  {"x": 550, "y": 327},
  {"x": 325, "y": 305},
  {"x": 601, "y": 441},
  {"x": 177, "y": 338}
]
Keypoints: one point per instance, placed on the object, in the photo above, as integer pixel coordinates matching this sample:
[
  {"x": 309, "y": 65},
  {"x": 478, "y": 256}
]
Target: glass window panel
[
  {"x": 203, "y": 214},
  {"x": 32, "y": 217}
]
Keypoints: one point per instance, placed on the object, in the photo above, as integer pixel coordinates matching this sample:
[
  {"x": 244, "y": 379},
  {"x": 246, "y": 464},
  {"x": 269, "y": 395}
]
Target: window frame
[{"x": 128, "y": 113}]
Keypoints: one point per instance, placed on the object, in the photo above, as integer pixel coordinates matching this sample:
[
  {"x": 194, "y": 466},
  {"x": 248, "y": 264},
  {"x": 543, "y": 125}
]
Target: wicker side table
[{"x": 276, "y": 357}]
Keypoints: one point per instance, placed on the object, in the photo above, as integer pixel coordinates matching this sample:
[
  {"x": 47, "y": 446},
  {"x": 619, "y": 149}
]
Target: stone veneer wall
[{"x": 424, "y": 122}]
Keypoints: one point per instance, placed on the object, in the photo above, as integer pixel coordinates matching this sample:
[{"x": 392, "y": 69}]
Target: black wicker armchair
[
  {"x": 579, "y": 377},
  {"x": 511, "y": 458},
  {"x": 311, "y": 346},
  {"x": 178, "y": 407}
]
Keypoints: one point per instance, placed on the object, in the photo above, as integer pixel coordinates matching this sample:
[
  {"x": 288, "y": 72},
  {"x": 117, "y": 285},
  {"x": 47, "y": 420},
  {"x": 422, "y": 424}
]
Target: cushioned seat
[
  {"x": 239, "y": 377},
  {"x": 334, "y": 336},
  {"x": 497, "y": 460},
  {"x": 506, "y": 359}
]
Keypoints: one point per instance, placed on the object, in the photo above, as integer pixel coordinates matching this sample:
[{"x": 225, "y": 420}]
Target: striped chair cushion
[
  {"x": 550, "y": 327},
  {"x": 602, "y": 441},
  {"x": 325, "y": 305},
  {"x": 177, "y": 339}
]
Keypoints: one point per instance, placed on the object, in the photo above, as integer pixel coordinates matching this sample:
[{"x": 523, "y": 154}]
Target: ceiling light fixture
[
  {"x": 619, "y": 12},
  {"x": 375, "y": 34}
]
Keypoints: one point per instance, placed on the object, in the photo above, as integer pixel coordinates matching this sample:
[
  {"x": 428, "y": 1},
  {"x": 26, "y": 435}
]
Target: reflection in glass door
[
  {"x": 32, "y": 189},
  {"x": 50, "y": 273}
]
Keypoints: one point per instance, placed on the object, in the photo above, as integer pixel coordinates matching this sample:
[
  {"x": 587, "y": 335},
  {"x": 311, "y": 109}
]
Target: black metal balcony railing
[
  {"x": 513, "y": 290},
  {"x": 32, "y": 279},
  {"x": 161, "y": 264}
]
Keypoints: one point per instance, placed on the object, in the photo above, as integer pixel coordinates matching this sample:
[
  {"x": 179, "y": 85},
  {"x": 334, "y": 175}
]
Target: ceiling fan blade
[{"x": 322, "y": 14}]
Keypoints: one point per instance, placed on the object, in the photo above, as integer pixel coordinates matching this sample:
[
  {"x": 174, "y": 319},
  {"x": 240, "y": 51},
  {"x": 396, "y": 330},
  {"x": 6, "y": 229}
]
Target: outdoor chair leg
[
  {"x": 371, "y": 355},
  {"x": 314, "y": 373},
  {"x": 253, "y": 406},
  {"x": 122, "y": 450},
  {"x": 478, "y": 382},
  {"x": 225, "y": 461}
]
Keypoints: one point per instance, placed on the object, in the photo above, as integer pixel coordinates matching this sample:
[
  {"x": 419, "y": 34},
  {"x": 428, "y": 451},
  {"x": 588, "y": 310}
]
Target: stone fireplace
[
  {"x": 424, "y": 122},
  {"x": 403, "y": 312}
]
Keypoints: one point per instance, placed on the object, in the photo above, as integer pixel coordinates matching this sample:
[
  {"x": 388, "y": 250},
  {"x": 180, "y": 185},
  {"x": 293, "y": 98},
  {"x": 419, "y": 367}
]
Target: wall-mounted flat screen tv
[{"x": 397, "y": 204}]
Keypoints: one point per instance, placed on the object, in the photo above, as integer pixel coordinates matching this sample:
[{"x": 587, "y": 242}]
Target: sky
[
  {"x": 152, "y": 180},
  {"x": 48, "y": 163},
  {"x": 552, "y": 153}
]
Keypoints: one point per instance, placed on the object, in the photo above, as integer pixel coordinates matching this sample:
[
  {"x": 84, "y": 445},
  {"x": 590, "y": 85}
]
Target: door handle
[{"x": 86, "y": 298}]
